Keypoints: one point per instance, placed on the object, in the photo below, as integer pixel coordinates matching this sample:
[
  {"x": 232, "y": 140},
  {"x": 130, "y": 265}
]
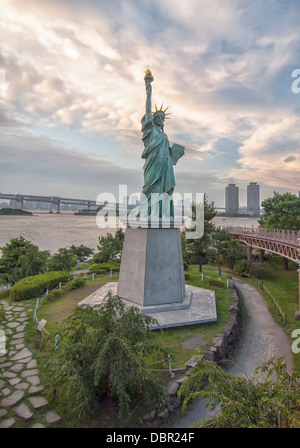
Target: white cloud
[{"x": 74, "y": 65}]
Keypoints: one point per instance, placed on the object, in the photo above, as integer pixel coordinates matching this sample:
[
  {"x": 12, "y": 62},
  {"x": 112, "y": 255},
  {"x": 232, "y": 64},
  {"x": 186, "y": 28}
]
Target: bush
[
  {"x": 55, "y": 293},
  {"x": 216, "y": 282},
  {"x": 4, "y": 294},
  {"x": 104, "y": 267},
  {"x": 106, "y": 355},
  {"x": 78, "y": 283},
  {"x": 241, "y": 266},
  {"x": 98, "y": 271},
  {"x": 36, "y": 285}
]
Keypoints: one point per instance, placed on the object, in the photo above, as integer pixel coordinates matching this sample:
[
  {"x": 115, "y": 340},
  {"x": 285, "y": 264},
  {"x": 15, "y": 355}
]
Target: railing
[{"x": 286, "y": 236}]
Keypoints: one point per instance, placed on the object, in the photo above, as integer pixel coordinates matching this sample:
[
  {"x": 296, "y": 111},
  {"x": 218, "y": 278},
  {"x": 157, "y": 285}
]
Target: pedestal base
[
  {"x": 151, "y": 271},
  {"x": 198, "y": 307}
]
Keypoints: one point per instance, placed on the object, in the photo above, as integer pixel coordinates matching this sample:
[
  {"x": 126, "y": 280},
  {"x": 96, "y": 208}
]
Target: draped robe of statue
[{"x": 158, "y": 172}]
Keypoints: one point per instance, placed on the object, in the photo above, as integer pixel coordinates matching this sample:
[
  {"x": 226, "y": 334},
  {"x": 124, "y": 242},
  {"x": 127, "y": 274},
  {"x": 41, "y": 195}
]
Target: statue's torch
[{"x": 148, "y": 77}]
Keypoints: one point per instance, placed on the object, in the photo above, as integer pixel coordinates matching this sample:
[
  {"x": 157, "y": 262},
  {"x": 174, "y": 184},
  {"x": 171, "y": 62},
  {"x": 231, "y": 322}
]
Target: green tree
[
  {"x": 197, "y": 250},
  {"x": 105, "y": 356},
  {"x": 268, "y": 400},
  {"x": 233, "y": 252},
  {"x": 110, "y": 247},
  {"x": 20, "y": 258},
  {"x": 220, "y": 238},
  {"x": 282, "y": 211},
  {"x": 63, "y": 260},
  {"x": 82, "y": 252}
]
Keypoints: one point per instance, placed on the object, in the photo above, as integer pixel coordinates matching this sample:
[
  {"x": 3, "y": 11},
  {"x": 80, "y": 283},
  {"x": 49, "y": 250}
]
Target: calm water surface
[{"x": 53, "y": 231}]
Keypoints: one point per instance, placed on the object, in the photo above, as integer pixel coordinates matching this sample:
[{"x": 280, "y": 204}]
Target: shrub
[
  {"x": 34, "y": 286},
  {"x": 55, "y": 293},
  {"x": 77, "y": 283},
  {"x": 4, "y": 294},
  {"x": 241, "y": 266},
  {"x": 98, "y": 271},
  {"x": 104, "y": 267},
  {"x": 106, "y": 355},
  {"x": 216, "y": 282}
]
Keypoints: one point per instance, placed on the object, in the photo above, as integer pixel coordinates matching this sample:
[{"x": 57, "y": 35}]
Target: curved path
[{"x": 262, "y": 338}]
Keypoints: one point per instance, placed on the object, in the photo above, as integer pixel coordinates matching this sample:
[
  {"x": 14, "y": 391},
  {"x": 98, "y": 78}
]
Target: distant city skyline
[{"x": 72, "y": 94}]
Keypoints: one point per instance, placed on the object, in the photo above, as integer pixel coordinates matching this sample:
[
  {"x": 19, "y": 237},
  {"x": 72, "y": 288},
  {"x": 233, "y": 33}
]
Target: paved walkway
[
  {"x": 262, "y": 338},
  {"x": 21, "y": 398}
]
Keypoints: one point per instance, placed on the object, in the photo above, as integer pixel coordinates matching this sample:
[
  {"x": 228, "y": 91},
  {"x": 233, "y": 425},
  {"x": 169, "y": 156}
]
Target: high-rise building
[
  {"x": 253, "y": 201},
  {"x": 231, "y": 198}
]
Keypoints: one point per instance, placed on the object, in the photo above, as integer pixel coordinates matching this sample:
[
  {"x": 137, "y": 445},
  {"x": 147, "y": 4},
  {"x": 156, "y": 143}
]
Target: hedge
[
  {"x": 36, "y": 285},
  {"x": 216, "y": 282},
  {"x": 104, "y": 267}
]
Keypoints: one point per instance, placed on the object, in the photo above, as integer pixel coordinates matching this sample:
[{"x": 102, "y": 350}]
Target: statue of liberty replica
[
  {"x": 151, "y": 272},
  {"x": 159, "y": 181}
]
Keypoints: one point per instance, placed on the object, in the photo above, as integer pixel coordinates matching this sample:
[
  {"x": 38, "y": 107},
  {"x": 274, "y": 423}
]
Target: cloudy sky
[{"x": 72, "y": 94}]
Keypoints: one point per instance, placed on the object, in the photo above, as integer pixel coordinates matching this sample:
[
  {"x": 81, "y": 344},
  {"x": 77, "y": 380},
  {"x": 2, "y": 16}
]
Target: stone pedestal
[
  {"x": 151, "y": 271},
  {"x": 152, "y": 278}
]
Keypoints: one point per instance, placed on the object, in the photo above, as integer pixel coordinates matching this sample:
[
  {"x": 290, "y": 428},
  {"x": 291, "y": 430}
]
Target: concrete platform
[{"x": 198, "y": 307}]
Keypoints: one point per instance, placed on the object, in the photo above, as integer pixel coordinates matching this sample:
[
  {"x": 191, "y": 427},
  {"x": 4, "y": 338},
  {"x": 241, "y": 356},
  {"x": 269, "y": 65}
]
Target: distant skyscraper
[
  {"x": 231, "y": 198},
  {"x": 253, "y": 202}
]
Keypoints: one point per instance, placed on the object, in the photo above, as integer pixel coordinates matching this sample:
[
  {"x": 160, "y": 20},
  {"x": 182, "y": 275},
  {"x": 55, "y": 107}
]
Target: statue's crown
[{"x": 161, "y": 112}]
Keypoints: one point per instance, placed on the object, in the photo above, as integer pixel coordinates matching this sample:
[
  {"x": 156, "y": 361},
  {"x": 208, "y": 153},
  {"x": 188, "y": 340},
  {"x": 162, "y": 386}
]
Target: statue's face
[{"x": 159, "y": 120}]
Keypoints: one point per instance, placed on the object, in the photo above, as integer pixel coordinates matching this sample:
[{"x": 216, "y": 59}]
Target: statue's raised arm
[
  {"x": 148, "y": 79},
  {"x": 159, "y": 159}
]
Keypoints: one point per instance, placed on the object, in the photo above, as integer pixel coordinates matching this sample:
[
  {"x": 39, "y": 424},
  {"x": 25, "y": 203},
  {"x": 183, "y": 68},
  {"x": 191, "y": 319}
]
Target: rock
[
  {"x": 5, "y": 364},
  {"x": 52, "y": 417},
  {"x": 24, "y": 353},
  {"x": 176, "y": 402},
  {"x": 35, "y": 389},
  {"x": 13, "y": 398},
  {"x": 22, "y": 386},
  {"x": 5, "y": 391},
  {"x": 7, "y": 423},
  {"x": 30, "y": 372},
  {"x": 3, "y": 412},
  {"x": 173, "y": 389},
  {"x": 9, "y": 375},
  {"x": 181, "y": 380},
  {"x": 19, "y": 335},
  {"x": 38, "y": 402},
  {"x": 32, "y": 364},
  {"x": 34, "y": 380},
  {"x": 23, "y": 411},
  {"x": 14, "y": 381},
  {"x": 38, "y": 425},
  {"x": 17, "y": 367},
  {"x": 193, "y": 361},
  {"x": 17, "y": 341},
  {"x": 163, "y": 415},
  {"x": 13, "y": 324}
]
